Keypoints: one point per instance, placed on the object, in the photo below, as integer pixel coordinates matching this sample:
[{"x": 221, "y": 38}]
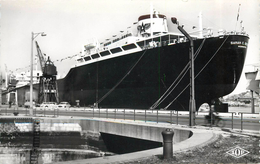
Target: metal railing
[{"x": 233, "y": 120}]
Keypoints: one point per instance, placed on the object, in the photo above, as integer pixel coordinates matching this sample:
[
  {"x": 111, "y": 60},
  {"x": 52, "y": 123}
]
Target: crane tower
[{"x": 48, "y": 89}]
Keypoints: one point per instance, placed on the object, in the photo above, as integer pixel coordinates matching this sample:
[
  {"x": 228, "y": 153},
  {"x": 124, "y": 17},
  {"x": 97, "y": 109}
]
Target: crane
[
  {"x": 48, "y": 88},
  {"x": 41, "y": 56}
]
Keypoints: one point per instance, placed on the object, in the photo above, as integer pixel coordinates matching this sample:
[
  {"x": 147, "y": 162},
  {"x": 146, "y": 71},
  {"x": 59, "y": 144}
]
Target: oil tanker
[{"x": 150, "y": 69}]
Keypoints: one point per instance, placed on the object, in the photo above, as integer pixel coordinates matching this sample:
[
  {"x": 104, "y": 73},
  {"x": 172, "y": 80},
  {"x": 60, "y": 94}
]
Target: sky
[{"x": 69, "y": 24}]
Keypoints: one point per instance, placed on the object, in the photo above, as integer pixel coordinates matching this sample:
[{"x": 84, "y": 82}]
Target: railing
[
  {"x": 233, "y": 120},
  {"x": 242, "y": 120},
  {"x": 134, "y": 114}
]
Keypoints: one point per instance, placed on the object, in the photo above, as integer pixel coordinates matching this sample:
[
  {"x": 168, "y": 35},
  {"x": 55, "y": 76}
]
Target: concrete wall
[
  {"x": 147, "y": 132},
  {"x": 151, "y": 132}
]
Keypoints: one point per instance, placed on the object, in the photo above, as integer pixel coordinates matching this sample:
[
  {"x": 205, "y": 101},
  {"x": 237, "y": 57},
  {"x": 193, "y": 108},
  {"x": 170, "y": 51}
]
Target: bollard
[{"x": 167, "y": 143}]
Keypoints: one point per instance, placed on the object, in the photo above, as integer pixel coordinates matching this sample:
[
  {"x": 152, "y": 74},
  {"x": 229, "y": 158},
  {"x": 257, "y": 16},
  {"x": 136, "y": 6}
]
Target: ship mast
[
  {"x": 200, "y": 26},
  {"x": 151, "y": 18}
]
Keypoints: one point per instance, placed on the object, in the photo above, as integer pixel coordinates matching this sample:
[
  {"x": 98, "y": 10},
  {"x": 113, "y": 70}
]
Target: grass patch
[{"x": 214, "y": 152}]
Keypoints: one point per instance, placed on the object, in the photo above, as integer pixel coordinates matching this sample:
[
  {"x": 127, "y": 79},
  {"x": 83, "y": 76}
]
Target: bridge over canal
[{"x": 126, "y": 133}]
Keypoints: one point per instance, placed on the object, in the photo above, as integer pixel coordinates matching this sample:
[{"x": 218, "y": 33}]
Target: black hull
[{"x": 218, "y": 68}]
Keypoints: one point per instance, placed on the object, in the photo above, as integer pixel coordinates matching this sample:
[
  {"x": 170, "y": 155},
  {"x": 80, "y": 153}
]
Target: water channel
[{"x": 16, "y": 147}]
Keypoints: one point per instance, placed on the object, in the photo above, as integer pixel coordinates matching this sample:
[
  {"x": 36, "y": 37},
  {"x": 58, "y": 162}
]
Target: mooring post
[{"x": 167, "y": 143}]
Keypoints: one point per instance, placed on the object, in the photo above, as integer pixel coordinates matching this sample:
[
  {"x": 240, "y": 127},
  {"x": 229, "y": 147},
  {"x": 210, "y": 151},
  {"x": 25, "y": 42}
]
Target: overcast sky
[{"x": 69, "y": 24}]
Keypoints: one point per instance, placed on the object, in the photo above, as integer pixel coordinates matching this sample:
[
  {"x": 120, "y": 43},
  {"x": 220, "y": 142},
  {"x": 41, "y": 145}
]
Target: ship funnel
[{"x": 174, "y": 20}]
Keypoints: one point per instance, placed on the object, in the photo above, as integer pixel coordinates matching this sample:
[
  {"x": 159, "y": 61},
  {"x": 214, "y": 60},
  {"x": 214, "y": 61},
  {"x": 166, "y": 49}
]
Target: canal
[{"x": 16, "y": 146}]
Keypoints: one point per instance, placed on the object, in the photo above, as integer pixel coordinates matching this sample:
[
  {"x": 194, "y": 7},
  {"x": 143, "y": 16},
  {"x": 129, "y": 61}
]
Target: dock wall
[
  {"x": 151, "y": 132},
  {"x": 133, "y": 130}
]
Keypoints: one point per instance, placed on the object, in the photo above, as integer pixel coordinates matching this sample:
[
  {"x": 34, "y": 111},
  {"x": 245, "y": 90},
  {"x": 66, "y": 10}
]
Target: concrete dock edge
[{"x": 199, "y": 138}]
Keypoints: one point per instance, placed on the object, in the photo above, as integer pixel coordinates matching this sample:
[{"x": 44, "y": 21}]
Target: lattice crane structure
[{"x": 48, "y": 88}]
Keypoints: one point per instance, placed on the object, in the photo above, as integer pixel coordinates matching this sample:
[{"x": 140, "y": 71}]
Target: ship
[{"x": 150, "y": 70}]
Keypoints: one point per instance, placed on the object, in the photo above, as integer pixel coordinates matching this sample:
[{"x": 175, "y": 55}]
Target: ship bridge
[{"x": 149, "y": 25}]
